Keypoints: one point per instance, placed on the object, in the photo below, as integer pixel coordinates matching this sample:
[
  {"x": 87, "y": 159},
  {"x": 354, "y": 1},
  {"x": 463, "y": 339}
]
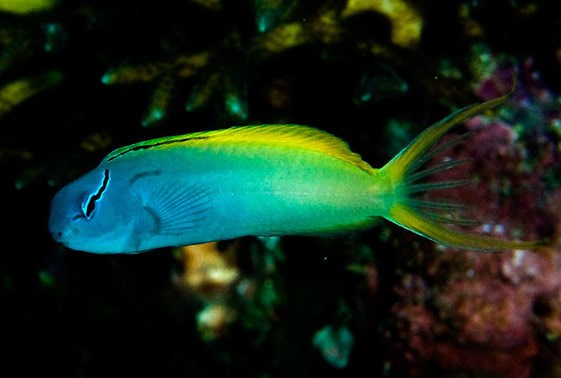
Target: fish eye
[{"x": 89, "y": 204}]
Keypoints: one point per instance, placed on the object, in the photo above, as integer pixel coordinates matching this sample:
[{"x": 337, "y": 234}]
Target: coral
[
  {"x": 407, "y": 23},
  {"x": 17, "y": 46},
  {"x": 488, "y": 312},
  {"x": 165, "y": 74},
  {"x": 335, "y": 344},
  {"x": 212, "y": 274},
  {"x": 20, "y": 90},
  {"x": 233, "y": 60},
  {"x": 26, "y": 6},
  {"x": 483, "y": 317},
  {"x": 22, "y": 44}
]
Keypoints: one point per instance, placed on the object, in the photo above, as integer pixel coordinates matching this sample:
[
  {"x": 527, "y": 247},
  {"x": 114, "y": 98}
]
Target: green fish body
[{"x": 253, "y": 180}]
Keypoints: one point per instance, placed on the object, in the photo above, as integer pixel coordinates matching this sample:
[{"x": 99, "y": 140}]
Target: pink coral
[
  {"x": 490, "y": 311},
  {"x": 484, "y": 316}
]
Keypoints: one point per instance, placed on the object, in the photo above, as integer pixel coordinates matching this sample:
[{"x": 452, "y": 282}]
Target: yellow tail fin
[{"x": 425, "y": 217}]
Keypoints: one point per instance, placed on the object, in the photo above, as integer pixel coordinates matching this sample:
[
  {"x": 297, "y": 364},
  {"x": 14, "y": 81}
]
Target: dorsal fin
[{"x": 292, "y": 136}]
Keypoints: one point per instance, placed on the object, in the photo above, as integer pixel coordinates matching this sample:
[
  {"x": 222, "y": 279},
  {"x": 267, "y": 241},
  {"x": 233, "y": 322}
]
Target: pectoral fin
[{"x": 177, "y": 208}]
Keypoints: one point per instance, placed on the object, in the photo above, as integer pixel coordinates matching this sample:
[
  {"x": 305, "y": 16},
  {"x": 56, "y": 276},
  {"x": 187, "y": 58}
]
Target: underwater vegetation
[{"x": 79, "y": 79}]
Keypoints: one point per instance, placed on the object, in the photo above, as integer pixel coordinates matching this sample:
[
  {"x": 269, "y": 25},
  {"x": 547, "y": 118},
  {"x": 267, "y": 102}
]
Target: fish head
[{"x": 96, "y": 213}]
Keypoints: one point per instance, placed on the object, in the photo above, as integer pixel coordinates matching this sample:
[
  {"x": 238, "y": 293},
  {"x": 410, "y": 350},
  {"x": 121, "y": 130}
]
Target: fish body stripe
[
  {"x": 150, "y": 144},
  {"x": 276, "y": 136}
]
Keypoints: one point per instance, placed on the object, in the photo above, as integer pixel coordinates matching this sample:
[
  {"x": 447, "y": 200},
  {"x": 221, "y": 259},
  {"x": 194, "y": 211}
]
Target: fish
[{"x": 260, "y": 180}]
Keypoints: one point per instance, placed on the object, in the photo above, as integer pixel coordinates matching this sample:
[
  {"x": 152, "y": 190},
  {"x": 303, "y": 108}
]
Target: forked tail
[{"x": 405, "y": 173}]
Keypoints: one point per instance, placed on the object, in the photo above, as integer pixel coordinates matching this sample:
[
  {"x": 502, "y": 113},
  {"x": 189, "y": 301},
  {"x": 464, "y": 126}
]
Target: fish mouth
[{"x": 62, "y": 236}]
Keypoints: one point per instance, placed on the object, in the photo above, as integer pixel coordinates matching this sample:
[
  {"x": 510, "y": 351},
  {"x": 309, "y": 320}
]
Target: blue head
[{"x": 96, "y": 213}]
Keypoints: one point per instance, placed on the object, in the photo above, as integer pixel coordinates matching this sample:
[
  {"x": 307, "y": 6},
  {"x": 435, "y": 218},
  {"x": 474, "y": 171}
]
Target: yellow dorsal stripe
[{"x": 282, "y": 136}]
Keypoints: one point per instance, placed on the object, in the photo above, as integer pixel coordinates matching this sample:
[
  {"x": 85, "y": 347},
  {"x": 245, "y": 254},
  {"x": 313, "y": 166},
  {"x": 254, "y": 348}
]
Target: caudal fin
[{"x": 406, "y": 171}]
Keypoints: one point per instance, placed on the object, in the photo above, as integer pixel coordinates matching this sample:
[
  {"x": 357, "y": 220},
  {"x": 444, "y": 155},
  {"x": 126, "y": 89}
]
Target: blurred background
[{"x": 81, "y": 78}]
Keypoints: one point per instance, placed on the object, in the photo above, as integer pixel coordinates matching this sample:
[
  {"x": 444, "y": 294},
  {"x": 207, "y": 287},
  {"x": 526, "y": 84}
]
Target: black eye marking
[{"x": 89, "y": 206}]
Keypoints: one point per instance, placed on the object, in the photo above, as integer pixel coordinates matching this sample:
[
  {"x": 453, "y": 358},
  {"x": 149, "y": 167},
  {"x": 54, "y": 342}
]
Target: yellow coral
[
  {"x": 20, "y": 90},
  {"x": 208, "y": 271},
  {"x": 26, "y": 6},
  {"x": 284, "y": 37},
  {"x": 407, "y": 23}
]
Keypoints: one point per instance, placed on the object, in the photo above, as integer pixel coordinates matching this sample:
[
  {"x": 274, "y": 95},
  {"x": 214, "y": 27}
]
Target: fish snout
[
  {"x": 58, "y": 236},
  {"x": 60, "y": 228},
  {"x": 61, "y": 234}
]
